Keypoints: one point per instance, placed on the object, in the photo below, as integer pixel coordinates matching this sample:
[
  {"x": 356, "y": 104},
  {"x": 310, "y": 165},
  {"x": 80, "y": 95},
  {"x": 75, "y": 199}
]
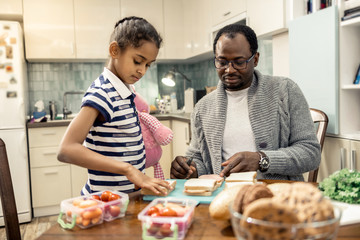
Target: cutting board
[{"x": 178, "y": 193}]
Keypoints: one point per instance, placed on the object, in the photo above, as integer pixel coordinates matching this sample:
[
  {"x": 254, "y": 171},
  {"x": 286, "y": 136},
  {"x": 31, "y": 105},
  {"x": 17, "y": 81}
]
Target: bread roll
[{"x": 219, "y": 207}]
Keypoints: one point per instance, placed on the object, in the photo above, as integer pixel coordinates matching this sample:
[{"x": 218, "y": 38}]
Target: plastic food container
[
  {"x": 113, "y": 208},
  {"x": 171, "y": 220},
  {"x": 89, "y": 210}
]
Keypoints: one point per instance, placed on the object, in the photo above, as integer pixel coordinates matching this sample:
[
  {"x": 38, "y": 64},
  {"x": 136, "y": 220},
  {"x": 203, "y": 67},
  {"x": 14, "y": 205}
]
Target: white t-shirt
[{"x": 238, "y": 134}]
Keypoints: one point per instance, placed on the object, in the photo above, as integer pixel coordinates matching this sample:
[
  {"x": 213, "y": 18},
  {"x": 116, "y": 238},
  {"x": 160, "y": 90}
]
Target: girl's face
[{"x": 130, "y": 64}]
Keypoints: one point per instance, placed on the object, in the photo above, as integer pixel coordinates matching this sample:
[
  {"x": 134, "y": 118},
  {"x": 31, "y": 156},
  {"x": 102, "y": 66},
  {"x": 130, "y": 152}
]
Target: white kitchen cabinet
[
  {"x": 68, "y": 29},
  {"x": 223, "y": 10},
  {"x": 197, "y": 27},
  {"x": 182, "y": 137},
  {"x": 94, "y": 23},
  {"x": 267, "y": 17},
  {"x": 49, "y": 29},
  {"x": 174, "y": 29},
  {"x": 11, "y": 10},
  {"x": 51, "y": 181},
  {"x": 79, "y": 176},
  {"x": 166, "y": 158},
  {"x": 152, "y": 11}
]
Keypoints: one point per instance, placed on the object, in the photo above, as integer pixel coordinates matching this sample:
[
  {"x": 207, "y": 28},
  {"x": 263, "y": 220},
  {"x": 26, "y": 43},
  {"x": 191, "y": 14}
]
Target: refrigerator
[{"x": 13, "y": 98}]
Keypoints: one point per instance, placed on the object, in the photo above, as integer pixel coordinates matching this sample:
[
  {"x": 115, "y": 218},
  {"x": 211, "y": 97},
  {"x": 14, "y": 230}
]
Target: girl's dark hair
[
  {"x": 131, "y": 31},
  {"x": 231, "y": 30}
]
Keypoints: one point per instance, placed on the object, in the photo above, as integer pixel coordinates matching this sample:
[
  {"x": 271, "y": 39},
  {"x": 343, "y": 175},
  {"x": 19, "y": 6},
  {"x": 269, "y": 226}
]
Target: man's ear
[
  {"x": 114, "y": 49},
  {"x": 256, "y": 59}
]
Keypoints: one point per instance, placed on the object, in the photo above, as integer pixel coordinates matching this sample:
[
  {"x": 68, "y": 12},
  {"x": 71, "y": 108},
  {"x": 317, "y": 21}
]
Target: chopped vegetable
[{"x": 343, "y": 186}]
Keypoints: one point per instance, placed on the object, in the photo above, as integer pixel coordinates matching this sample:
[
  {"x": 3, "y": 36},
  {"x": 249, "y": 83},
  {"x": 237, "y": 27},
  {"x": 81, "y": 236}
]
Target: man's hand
[
  {"x": 241, "y": 162},
  {"x": 180, "y": 169}
]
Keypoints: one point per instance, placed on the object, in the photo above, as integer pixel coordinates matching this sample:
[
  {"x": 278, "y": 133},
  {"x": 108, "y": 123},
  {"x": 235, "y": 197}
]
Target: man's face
[{"x": 235, "y": 49}]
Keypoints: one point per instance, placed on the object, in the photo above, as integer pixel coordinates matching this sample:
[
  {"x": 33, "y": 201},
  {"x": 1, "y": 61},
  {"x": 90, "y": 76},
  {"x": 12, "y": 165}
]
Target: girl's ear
[{"x": 114, "y": 49}]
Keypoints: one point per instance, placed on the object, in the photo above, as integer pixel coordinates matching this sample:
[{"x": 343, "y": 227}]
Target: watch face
[{"x": 264, "y": 164}]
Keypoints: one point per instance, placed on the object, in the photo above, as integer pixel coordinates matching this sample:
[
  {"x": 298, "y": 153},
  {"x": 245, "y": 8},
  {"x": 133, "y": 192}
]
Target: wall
[{"x": 49, "y": 81}]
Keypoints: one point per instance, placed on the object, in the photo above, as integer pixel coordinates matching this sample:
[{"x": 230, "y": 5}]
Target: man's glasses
[{"x": 237, "y": 64}]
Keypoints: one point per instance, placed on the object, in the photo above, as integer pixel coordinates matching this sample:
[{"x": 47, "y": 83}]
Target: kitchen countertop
[
  {"x": 60, "y": 123},
  {"x": 54, "y": 123}
]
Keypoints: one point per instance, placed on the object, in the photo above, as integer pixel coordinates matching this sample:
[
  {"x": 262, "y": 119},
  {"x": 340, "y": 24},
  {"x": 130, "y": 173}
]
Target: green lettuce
[{"x": 343, "y": 186}]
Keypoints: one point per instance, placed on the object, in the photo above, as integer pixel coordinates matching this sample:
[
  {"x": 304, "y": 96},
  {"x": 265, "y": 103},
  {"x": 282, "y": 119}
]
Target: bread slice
[
  {"x": 242, "y": 177},
  {"x": 219, "y": 180},
  {"x": 148, "y": 192},
  {"x": 200, "y": 187}
]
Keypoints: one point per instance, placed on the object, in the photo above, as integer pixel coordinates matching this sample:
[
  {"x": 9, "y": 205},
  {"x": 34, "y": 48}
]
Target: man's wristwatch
[{"x": 264, "y": 162}]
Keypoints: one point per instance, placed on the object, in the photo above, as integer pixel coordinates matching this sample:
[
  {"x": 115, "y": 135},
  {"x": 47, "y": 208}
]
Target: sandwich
[
  {"x": 200, "y": 187},
  {"x": 219, "y": 180},
  {"x": 172, "y": 183},
  {"x": 240, "y": 178}
]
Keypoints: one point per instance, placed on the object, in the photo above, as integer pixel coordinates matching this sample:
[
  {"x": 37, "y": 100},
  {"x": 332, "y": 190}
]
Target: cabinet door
[
  {"x": 181, "y": 139},
  {"x": 266, "y": 17},
  {"x": 152, "y": 11},
  {"x": 46, "y": 137},
  {"x": 334, "y": 151},
  {"x": 11, "y": 9},
  {"x": 49, "y": 29},
  {"x": 174, "y": 29},
  {"x": 197, "y": 27},
  {"x": 166, "y": 157},
  {"x": 223, "y": 10},
  {"x": 50, "y": 185},
  {"x": 79, "y": 176},
  {"x": 94, "y": 23}
]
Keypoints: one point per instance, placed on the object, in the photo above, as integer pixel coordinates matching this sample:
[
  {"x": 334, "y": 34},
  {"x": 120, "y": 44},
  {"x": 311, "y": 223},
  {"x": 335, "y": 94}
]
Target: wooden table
[{"x": 129, "y": 227}]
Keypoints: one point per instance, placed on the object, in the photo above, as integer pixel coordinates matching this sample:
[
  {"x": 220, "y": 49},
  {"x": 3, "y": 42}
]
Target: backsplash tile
[{"x": 49, "y": 82}]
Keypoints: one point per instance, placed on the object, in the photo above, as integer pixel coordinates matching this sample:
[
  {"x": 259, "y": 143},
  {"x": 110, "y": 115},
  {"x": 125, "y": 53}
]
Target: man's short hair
[{"x": 231, "y": 30}]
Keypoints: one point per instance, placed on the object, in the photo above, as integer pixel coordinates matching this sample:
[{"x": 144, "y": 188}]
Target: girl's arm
[{"x": 72, "y": 151}]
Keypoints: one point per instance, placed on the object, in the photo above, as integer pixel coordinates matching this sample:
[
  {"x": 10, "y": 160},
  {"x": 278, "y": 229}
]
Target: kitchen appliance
[{"x": 12, "y": 111}]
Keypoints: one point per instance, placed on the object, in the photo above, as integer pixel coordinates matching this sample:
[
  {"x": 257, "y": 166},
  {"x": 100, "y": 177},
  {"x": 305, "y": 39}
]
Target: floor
[{"x": 32, "y": 230}]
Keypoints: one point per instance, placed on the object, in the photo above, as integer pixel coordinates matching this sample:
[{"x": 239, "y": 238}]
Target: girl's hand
[{"x": 155, "y": 185}]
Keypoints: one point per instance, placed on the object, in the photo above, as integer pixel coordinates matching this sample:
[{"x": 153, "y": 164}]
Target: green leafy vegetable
[{"x": 343, "y": 186}]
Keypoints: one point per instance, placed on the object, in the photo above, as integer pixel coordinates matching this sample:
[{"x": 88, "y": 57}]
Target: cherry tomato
[
  {"x": 114, "y": 210},
  {"x": 152, "y": 210},
  {"x": 168, "y": 212},
  {"x": 155, "y": 214},
  {"x": 105, "y": 196},
  {"x": 165, "y": 230},
  {"x": 113, "y": 197},
  {"x": 97, "y": 197}
]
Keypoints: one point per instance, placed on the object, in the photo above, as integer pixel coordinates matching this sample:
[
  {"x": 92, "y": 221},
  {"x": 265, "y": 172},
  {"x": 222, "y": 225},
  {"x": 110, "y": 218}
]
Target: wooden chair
[
  {"x": 320, "y": 118},
  {"x": 7, "y": 197}
]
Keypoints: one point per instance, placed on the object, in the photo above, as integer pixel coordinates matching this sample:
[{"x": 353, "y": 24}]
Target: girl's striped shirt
[{"x": 119, "y": 137}]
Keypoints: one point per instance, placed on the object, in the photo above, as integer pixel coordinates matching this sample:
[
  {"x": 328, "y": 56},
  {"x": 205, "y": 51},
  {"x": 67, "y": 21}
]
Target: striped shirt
[{"x": 118, "y": 137}]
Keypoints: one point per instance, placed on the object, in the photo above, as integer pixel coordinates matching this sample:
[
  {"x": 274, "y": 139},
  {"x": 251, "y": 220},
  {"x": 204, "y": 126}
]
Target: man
[{"x": 251, "y": 122}]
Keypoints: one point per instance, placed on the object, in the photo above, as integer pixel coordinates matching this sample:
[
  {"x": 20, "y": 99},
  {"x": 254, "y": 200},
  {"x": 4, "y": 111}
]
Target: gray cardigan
[{"x": 281, "y": 122}]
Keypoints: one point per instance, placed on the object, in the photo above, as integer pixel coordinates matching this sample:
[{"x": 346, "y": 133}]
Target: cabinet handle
[
  {"x": 342, "y": 157},
  {"x": 48, "y": 133},
  {"x": 49, "y": 153},
  {"x": 51, "y": 172},
  {"x": 353, "y": 160},
  {"x": 227, "y": 13}
]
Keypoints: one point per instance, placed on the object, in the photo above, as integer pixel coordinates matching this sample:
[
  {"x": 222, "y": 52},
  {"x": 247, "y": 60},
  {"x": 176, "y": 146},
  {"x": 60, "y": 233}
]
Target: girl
[{"x": 113, "y": 150}]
